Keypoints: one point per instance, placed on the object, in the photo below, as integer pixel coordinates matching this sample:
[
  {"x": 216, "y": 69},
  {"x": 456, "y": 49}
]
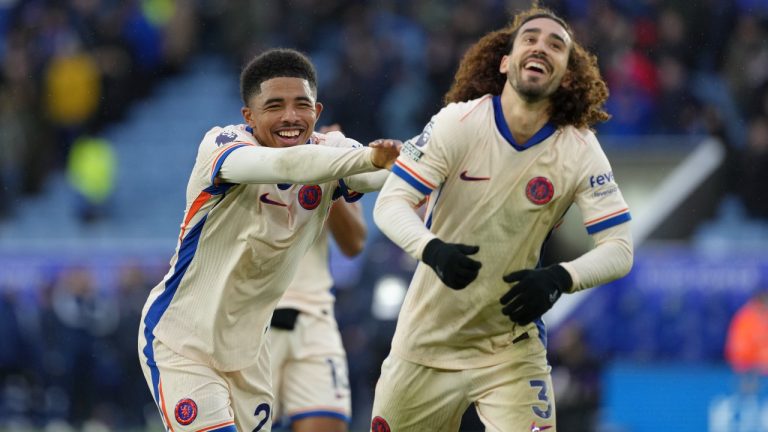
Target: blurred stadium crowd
[{"x": 72, "y": 68}]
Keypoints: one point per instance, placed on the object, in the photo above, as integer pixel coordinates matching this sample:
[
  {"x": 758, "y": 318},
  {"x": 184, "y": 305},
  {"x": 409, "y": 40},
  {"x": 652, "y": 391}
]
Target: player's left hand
[
  {"x": 385, "y": 152},
  {"x": 535, "y": 292}
]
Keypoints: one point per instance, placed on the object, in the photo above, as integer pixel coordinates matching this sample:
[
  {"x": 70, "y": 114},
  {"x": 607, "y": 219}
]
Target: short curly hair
[
  {"x": 274, "y": 63},
  {"x": 580, "y": 105}
]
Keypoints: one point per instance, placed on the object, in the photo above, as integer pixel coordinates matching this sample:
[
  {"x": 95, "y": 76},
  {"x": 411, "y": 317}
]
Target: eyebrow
[
  {"x": 538, "y": 31},
  {"x": 280, "y": 100}
]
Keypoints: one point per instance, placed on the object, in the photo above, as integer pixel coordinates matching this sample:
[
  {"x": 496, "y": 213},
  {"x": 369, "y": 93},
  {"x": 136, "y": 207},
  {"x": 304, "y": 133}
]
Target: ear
[
  {"x": 318, "y": 110},
  {"x": 247, "y": 115},
  {"x": 567, "y": 80},
  {"x": 504, "y": 66}
]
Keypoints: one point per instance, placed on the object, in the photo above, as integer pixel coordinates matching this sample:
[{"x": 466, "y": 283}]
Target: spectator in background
[
  {"x": 91, "y": 172},
  {"x": 745, "y": 66},
  {"x": 130, "y": 394},
  {"x": 82, "y": 316},
  {"x": 746, "y": 346},
  {"x": 576, "y": 380},
  {"x": 754, "y": 169}
]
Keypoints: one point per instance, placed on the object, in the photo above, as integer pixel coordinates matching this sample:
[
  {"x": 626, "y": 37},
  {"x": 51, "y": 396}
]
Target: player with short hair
[
  {"x": 256, "y": 201},
  {"x": 500, "y": 164},
  {"x": 309, "y": 364}
]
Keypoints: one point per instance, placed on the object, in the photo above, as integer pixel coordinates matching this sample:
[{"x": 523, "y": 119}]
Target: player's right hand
[
  {"x": 451, "y": 263},
  {"x": 385, "y": 152}
]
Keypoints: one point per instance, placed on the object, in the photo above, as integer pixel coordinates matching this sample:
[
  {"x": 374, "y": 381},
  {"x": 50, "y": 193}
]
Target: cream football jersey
[
  {"x": 310, "y": 290},
  {"x": 484, "y": 189},
  {"x": 237, "y": 252}
]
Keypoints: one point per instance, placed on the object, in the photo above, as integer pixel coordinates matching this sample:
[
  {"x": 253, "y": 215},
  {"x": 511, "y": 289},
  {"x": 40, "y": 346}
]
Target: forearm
[
  {"x": 305, "y": 164},
  {"x": 395, "y": 215},
  {"x": 367, "y": 182},
  {"x": 610, "y": 259},
  {"x": 347, "y": 225}
]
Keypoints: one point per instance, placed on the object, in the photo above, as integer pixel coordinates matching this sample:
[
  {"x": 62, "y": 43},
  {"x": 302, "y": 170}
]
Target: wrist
[
  {"x": 562, "y": 277},
  {"x": 431, "y": 249},
  {"x": 370, "y": 159}
]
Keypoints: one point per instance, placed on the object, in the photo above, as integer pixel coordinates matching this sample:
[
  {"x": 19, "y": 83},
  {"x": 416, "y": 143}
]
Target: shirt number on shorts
[
  {"x": 261, "y": 409},
  {"x": 542, "y": 397}
]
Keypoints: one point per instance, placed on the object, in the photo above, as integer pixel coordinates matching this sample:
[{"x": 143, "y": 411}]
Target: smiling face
[
  {"x": 283, "y": 113},
  {"x": 539, "y": 59}
]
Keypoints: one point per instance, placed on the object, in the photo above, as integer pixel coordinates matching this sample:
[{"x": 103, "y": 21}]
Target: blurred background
[{"x": 103, "y": 104}]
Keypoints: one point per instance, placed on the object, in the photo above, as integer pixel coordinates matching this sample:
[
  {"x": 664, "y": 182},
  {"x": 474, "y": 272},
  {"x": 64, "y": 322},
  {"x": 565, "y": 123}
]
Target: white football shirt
[
  {"x": 310, "y": 290},
  {"x": 484, "y": 189},
  {"x": 237, "y": 252}
]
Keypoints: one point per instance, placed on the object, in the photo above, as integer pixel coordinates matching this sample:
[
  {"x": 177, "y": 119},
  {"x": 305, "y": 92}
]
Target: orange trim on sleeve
[
  {"x": 224, "y": 150},
  {"x": 413, "y": 173},
  {"x": 624, "y": 210}
]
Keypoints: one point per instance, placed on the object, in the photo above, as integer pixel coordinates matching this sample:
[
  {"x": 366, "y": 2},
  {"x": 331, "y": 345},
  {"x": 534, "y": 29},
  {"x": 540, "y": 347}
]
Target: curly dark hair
[
  {"x": 274, "y": 63},
  {"x": 580, "y": 105}
]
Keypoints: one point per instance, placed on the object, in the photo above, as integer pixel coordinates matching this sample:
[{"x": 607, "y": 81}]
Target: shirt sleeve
[
  {"x": 394, "y": 213},
  {"x": 215, "y": 148},
  {"x": 353, "y": 187},
  {"x": 421, "y": 168},
  {"x": 597, "y": 194},
  {"x": 606, "y": 216},
  {"x": 424, "y": 160},
  {"x": 610, "y": 259},
  {"x": 305, "y": 164}
]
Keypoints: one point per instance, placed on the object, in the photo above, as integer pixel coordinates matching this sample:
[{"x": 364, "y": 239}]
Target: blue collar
[{"x": 501, "y": 124}]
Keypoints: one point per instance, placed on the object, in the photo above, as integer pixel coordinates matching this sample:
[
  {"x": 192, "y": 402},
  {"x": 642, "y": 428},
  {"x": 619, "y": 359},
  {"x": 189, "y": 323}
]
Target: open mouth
[
  {"x": 289, "y": 136},
  {"x": 536, "y": 66}
]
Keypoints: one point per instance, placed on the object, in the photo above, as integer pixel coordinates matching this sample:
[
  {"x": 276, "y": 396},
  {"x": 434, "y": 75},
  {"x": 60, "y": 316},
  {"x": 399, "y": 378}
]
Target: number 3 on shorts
[
  {"x": 542, "y": 397},
  {"x": 261, "y": 409}
]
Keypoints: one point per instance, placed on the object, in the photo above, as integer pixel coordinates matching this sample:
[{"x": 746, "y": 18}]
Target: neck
[{"x": 523, "y": 117}]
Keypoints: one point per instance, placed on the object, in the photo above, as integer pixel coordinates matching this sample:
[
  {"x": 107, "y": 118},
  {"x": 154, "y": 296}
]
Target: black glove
[
  {"x": 535, "y": 292},
  {"x": 450, "y": 262}
]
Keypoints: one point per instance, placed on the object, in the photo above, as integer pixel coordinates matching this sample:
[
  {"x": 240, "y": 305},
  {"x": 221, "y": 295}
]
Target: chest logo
[
  {"x": 185, "y": 411},
  {"x": 379, "y": 425},
  {"x": 266, "y": 200},
  {"x": 464, "y": 176},
  {"x": 310, "y": 196},
  {"x": 539, "y": 190}
]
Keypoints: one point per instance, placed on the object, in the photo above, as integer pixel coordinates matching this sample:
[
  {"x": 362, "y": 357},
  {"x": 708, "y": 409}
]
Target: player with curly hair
[{"x": 500, "y": 165}]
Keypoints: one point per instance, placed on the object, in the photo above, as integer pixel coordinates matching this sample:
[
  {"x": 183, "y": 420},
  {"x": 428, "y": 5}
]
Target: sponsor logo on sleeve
[
  {"x": 603, "y": 184},
  {"x": 601, "y": 179}
]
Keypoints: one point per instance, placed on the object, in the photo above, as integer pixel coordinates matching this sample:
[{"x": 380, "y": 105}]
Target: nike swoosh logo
[
  {"x": 265, "y": 199},
  {"x": 464, "y": 176}
]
